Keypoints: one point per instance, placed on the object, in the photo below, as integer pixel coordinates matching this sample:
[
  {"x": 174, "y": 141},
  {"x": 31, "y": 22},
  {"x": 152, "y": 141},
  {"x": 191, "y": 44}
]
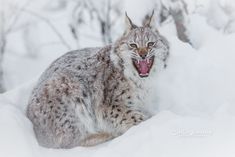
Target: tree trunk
[
  {"x": 180, "y": 24},
  {"x": 2, "y": 50}
]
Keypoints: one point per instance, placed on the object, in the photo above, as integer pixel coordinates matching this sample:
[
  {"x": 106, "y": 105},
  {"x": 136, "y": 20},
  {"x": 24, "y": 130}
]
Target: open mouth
[{"x": 143, "y": 66}]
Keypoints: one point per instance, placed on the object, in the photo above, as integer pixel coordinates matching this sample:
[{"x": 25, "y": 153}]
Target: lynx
[{"x": 89, "y": 96}]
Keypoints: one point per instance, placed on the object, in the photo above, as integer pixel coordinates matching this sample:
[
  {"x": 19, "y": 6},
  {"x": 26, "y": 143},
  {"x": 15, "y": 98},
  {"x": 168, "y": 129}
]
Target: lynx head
[{"x": 142, "y": 48}]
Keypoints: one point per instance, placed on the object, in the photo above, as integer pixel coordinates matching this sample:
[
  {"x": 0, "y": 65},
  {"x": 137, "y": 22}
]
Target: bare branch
[
  {"x": 17, "y": 16},
  {"x": 48, "y": 22}
]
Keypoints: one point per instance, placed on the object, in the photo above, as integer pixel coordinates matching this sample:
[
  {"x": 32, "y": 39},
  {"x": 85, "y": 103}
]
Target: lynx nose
[
  {"x": 143, "y": 56},
  {"x": 143, "y": 53}
]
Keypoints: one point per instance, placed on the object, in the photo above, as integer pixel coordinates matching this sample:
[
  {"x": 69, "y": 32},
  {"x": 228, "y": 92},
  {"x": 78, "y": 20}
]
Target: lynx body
[{"x": 89, "y": 96}]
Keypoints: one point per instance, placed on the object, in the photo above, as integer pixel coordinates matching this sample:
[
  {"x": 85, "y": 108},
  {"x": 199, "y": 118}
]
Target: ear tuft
[
  {"x": 129, "y": 24},
  {"x": 149, "y": 20}
]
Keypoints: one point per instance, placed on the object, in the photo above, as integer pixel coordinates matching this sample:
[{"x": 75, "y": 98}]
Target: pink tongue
[{"x": 143, "y": 67}]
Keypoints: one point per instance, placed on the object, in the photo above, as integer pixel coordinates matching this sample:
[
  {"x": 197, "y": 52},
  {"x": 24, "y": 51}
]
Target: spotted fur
[{"x": 90, "y": 96}]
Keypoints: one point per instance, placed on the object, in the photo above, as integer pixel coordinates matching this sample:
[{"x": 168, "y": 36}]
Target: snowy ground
[{"x": 195, "y": 103}]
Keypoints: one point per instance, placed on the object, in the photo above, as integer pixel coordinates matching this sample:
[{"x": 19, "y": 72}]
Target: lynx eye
[
  {"x": 150, "y": 44},
  {"x": 133, "y": 45}
]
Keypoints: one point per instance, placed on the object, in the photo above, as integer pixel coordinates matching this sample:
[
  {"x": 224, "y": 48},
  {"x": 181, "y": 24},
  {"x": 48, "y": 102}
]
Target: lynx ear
[
  {"x": 129, "y": 24},
  {"x": 149, "y": 20}
]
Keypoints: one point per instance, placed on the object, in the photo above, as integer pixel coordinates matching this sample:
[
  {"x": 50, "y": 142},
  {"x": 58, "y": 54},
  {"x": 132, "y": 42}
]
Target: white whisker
[
  {"x": 150, "y": 54},
  {"x": 135, "y": 56}
]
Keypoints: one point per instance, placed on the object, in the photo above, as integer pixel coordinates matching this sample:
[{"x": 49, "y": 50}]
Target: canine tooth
[
  {"x": 138, "y": 61},
  {"x": 148, "y": 61}
]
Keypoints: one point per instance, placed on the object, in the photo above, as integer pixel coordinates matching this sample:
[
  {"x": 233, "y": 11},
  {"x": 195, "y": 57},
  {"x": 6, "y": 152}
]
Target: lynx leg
[{"x": 95, "y": 139}]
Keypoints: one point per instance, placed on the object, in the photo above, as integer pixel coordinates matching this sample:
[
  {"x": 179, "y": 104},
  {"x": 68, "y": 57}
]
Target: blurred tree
[
  {"x": 3, "y": 41},
  {"x": 221, "y": 15},
  {"x": 9, "y": 16},
  {"x": 8, "y": 19},
  {"x": 177, "y": 9},
  {"x": 105, "y": 12}
]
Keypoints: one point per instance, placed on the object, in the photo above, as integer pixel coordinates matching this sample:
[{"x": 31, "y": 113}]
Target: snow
[{"x": 194, "y": 100}]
